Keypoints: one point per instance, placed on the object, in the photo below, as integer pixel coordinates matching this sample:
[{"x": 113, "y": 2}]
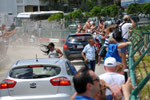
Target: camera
[{"x": 126, "y": 74}]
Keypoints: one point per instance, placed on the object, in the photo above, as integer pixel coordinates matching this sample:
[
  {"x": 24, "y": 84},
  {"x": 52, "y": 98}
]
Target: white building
[{"x": 10, "y": 8}]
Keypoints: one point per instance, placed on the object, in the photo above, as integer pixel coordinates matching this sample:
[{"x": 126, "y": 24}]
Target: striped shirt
[{"x": 107, "y": 40}]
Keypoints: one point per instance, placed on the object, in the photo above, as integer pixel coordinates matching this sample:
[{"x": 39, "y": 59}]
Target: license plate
[{"x": 80, "y": 46}]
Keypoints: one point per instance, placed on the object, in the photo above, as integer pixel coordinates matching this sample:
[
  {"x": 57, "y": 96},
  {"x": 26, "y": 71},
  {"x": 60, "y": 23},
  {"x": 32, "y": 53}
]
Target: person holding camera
[{"x": 127, "y": 24}]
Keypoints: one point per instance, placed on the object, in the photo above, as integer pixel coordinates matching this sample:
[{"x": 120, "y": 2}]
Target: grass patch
[{"x": 141, "y": 74}]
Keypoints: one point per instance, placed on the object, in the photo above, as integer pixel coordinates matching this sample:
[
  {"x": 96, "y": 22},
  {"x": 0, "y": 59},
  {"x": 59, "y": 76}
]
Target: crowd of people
[
  {"x": 110, "y": 85},
  {"x": 105, "y": 42}
]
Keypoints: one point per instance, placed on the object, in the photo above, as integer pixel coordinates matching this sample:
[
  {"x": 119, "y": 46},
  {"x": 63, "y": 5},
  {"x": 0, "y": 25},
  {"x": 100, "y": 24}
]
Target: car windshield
[
  {"x": 34, "y": 72},
  {"x": 79, "y": 38}
]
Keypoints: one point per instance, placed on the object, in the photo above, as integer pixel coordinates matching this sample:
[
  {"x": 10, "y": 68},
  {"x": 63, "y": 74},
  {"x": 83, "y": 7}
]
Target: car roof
[
  {"x": 44, "y": 61},
  {"x": 79, "y": 33}
]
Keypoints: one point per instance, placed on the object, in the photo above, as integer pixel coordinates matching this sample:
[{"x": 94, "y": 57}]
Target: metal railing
[{"x": 139, "y": 48}]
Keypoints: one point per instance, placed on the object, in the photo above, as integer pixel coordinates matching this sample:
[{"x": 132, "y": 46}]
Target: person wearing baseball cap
[
  {"x": 110, "y": 76},
  {"x": 110, "y": 62}
]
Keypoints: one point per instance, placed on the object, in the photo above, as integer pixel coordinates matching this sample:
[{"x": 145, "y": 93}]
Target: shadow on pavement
[{"x": 78, "y": 62}]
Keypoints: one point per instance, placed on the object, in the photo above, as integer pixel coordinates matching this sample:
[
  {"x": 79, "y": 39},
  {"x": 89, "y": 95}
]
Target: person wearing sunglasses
[{"x": 86, "y": 84}]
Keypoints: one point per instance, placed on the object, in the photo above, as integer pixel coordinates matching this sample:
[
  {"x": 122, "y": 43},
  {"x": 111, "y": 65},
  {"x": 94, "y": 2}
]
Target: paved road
[{"x": 29, "y": 52}]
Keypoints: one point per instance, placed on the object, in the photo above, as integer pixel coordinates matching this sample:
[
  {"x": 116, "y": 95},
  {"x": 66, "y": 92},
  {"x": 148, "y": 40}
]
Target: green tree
[
  {"x": 87, "y": 14},
  {"x": 77, "y": 14},
  {"x": 134, "y": 9},
  {"x": 104, "y": 3},
  {"x": 146, "y": 8},
  {"x": 96, "y": 11},
  {"x": 114, "y": 10},
  {"x": 68, "y": 16},
  {"x": 105, "y": 11},
  {"x": 90, "y": 4},
  {"x": 117, "y": 2},
  {"x": 87, "y": 5},
  {"x": 56, "y": 17},
  {"x": 111, "y": 10}
]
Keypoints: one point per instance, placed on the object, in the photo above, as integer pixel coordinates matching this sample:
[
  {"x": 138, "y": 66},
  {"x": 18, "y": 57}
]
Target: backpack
[{"x": 117, "y": 34}]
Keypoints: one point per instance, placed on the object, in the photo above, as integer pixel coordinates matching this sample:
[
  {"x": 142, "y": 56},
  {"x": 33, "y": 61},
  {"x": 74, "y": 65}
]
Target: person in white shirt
[
  {"x": 125, "y": 33},
  {"x": 88, "y": 54},
  {"x": 51, "y": 51},
  {"x": 110, "y": 76}
]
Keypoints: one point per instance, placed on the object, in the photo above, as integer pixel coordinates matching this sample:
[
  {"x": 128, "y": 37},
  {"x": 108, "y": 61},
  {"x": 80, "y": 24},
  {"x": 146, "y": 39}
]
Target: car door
[{"x": 71, "y": 71}]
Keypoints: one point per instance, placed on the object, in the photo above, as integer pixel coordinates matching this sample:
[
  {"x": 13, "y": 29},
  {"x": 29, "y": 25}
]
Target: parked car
[
  {"x": 74, "y": 25},
  {"x": 39, "y": 79},
  {"x": 109, "y": 21},
  {"x": 74, "y": 45},
  {"x": 94, "y": 20}
]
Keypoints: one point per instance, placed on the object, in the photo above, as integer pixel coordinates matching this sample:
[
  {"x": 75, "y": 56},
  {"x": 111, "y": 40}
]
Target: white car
[
  {"x": 74, "y": 25},
  {"x": 109, "y": 22},
  {"x": 39, "y": 79}
]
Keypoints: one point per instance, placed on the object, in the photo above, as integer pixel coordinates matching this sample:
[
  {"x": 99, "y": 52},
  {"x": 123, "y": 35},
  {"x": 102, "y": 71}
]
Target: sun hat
[{"x": 110, "y": 62}]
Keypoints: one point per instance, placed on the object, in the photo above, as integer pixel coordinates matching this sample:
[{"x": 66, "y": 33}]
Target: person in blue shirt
[
  {"x": 86, "y": 84},
  {"x": 112, "y": 50},
  {"x": 88, "y": 54}
]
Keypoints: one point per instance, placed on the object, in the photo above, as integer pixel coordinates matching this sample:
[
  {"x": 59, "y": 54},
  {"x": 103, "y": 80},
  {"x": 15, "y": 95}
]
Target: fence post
[
  {"x": 137, "y": 62},
  {"x": 136, "y": 91},
  {"x": 132, "y": 65},
  {"x": 131, "y": 68}
]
